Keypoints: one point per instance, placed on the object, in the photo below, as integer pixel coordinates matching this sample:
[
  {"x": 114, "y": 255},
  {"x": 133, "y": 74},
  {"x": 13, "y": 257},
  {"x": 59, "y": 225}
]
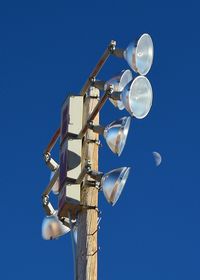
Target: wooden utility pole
[{"x": 87, "y": 245}]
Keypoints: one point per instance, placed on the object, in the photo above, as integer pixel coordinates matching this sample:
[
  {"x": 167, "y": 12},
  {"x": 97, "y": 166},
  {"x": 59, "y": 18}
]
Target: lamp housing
[
  {"x": 113, "y": 183},
  {"x": 116, "y": 134},
  {"x": 52, "y": 227},
  {"x": 136, "y": 97},
  {"x": 138, "y": 54},
  {"x": 119, "y": 82}
]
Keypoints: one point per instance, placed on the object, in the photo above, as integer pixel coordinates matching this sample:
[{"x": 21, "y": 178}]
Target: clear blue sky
[{"x": 47, "y": 49}]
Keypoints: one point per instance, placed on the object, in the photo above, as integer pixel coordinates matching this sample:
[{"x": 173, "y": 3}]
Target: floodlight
[
  {"x": 113, "y": 182},
  {"x": 116, "y": 133},
  {"x": 55, "y": 188},
  {"x": 119, "y": 82},
  {"x": 53, "y": 228},
  {"x": 133, "y": 94},
  {"x": 139, "y": 55},
  {"x": 136, "y": 97}
]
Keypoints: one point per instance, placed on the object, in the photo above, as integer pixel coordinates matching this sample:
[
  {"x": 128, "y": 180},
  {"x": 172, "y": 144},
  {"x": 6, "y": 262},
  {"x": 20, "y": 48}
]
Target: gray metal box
[{"x": 70, "y": 155}]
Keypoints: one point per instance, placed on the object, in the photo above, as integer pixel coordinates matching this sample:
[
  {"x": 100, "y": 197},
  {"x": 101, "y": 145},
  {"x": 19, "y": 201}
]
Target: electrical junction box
[{"x": 70, "y": 156}]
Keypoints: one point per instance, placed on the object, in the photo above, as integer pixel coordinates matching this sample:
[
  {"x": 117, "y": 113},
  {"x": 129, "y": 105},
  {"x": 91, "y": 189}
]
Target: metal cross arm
[
  {"x": 53, "y": 141},
  {"x": 109, "y": 50},
  {"x": 86, "y": 169},
  {"x": 51, "y": 183},
  {"x": 48, "y": 208}
]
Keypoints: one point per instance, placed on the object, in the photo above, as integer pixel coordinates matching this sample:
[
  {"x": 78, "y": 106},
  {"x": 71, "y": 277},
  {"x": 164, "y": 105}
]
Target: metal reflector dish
[
  {"x": 140, "y": 55},
  {"x": 113, "y": 183},
  {"x": 52, "y": 227},
  {"x": 137, "y": 97},
  {"x": 119, "y": 82},
  {"x": 116, "y": 134}
]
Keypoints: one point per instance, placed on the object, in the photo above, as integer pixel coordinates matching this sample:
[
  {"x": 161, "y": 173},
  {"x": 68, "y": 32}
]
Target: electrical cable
[{"x": 73, "y": 246}]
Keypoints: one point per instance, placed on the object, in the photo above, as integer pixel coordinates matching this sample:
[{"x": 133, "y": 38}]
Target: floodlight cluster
[{"x": 135, "y": 95}]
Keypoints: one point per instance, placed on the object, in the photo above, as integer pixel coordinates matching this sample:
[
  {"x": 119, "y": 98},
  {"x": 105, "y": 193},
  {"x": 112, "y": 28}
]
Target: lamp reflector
[
  {"x": 52, "y": 227},
  {"x": 116, "y": 134},
  {"x": 140, "y": 55},
  {"x": 55, "y": 188},
  {"x": 137, "y": 97},
  {"x": 119, "y": 82},
  {"x": 113, "y": 183}
]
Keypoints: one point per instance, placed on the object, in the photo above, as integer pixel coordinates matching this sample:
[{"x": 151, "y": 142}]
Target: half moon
[{"x": 157, "y": 158}]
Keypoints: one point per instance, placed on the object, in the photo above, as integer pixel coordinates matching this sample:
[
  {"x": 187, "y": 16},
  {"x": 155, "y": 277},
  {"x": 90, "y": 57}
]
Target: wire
[{"x": 73, "y": 246}]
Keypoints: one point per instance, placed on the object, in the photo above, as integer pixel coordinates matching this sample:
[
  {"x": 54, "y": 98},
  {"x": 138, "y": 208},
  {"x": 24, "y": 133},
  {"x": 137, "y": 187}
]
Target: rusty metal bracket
[{"x": 90, "y": 255}]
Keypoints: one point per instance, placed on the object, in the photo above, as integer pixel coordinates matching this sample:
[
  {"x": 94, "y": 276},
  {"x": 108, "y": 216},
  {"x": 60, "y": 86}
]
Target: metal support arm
[
  {"x": 51, "y": 183},
  {"x": 109, "y": 50},
  {"x": 48, "y": 208},
  {"x": 118, "y": 53},
  {"x": 50, "y": 162},
  {"x": 97, "y": 128},
  {"x": 53, "y": 141},
  {"x": 96, "y": 175}
]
